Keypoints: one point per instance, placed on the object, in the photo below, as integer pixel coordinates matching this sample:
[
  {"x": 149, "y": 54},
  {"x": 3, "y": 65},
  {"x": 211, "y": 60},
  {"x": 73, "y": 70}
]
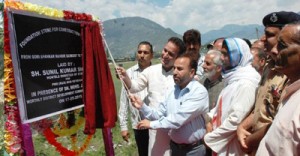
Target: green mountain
[{"x": 124, "y": 34}]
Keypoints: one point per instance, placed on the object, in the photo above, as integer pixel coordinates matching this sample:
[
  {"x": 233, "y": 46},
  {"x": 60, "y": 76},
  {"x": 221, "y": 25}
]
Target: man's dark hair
[
  {"x": 193, "y": 60},
  {"x": 194, "y": 53},
  {"x": 179, "y": 43},
  {"x": 248, "y": 42},
  {"x": 220, "y": 38},
  {"x": 146, "y": 43},
  {"x": 192, "y": 36}
]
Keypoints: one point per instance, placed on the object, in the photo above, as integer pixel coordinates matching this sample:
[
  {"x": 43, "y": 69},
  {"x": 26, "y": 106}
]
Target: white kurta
[
  {"x": 283, "y": 137},
  {"x": 234, "y": 102},
  {"x": 159, "y": 84}
]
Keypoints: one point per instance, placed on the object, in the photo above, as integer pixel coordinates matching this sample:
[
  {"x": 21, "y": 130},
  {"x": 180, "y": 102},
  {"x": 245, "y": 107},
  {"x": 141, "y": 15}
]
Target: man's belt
[{"x": 191, "y": 145}]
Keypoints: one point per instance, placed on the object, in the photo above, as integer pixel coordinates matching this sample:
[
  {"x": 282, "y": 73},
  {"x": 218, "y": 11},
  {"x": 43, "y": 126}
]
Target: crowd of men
[{"x": 238, "y": 99}]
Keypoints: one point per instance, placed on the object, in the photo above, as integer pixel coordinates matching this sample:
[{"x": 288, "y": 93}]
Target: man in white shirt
[
  {"x": 182, "y": 111},
  {"x": 144, "y": 56},
  {"x": 159, "y": 80}
]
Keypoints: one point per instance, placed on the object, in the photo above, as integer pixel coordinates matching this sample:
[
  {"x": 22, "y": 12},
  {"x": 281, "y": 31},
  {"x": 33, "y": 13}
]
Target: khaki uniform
[{"x": 267, "y": 97}]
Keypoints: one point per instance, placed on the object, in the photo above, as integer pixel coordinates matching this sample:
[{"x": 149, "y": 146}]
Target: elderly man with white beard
[
  {"x": 212, "y": 72},
  {"x": 212, "y": 66}
]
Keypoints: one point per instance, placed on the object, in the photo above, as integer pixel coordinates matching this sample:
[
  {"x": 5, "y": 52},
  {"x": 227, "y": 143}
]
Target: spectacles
[{"x": 145, "y": 52}]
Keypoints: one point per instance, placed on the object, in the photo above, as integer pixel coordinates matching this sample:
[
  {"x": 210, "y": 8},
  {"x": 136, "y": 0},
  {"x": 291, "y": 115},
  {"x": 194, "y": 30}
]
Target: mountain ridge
[{"x": 124, "y": 34}]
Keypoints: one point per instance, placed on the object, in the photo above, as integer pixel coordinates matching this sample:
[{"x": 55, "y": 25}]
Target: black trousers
[{"x": 142, "y": 141}]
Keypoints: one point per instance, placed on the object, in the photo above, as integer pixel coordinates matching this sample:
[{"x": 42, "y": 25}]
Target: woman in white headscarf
[{"x": 235, "y": 100}]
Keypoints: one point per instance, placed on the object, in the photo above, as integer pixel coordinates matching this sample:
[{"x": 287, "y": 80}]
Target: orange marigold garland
[
  {"x": 51, "y": 138},
  {"x": 53, "y": 131}
]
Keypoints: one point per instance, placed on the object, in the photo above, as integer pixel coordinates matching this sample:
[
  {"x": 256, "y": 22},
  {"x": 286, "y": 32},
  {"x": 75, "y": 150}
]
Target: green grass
[{"x": 96, "y": 146}]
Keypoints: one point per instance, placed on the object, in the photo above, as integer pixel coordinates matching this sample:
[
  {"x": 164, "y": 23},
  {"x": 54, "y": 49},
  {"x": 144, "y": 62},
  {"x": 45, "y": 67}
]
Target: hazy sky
[{"x": 179, "y": 15}]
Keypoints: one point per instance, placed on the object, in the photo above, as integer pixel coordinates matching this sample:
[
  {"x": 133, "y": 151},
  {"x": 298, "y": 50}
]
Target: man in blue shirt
[{"x": 182, "y": 111}]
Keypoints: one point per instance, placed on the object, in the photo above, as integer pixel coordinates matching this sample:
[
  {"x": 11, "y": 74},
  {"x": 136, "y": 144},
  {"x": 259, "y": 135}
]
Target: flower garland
[
  {"x": 12, "y": 129},
  {"x": 51, "y": 138},
  {"x": 65, "y": 130},
  {"x": 72, "y": 130},
  {"x": 68, "y": 15},
  {"x": 34, "y": 8},
  {"x": 12, "y": 136},
  {"x": 62, "y": 129},
  {"x": 14, "y": 5}
]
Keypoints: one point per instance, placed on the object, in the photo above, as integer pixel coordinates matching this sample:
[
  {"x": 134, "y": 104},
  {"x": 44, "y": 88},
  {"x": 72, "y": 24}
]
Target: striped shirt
[{"x": 125, "y": 104}]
